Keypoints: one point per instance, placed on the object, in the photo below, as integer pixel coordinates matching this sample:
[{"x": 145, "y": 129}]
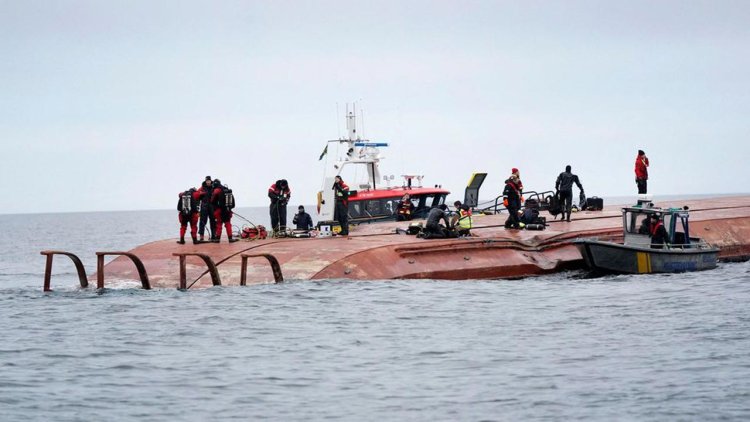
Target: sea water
[{"x": 558, "y": 347}]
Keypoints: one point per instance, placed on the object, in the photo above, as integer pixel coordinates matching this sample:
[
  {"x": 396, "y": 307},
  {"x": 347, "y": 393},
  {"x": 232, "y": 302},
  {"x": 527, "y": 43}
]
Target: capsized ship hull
[{"x": 377, "y": 252}]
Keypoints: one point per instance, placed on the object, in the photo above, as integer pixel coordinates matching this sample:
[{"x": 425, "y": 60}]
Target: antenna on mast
[
  {"x": 362, "y": 113},
  {"x": 351, "y": 122},
  {"x": 338, "y": 123}
]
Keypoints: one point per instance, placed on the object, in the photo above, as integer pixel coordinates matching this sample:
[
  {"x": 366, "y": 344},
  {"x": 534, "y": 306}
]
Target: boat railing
[
  {"x": 605, "y": 238},
  {"x": 215, "y": 279},
  {"x": 138, "y": 265},
  {"x": 695, "y": 243},
  {"x": 212, "y": 268},
  {"x": 76, "y": 261},
  {"x": 542, "y": 198},
  {"x": 275, "y": 267}
]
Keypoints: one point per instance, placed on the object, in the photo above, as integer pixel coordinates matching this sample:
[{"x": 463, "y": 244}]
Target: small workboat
[{"x": 637, "y": 255}]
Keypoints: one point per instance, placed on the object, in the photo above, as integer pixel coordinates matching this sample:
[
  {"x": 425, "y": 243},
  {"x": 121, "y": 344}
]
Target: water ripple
[{"x": 556, "y": 347}]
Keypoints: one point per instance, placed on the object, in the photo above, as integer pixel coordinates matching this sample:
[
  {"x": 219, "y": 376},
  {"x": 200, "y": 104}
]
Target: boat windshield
[
  {"x": 373, "y": 208},
  {"x": 637, "y": 223},
  {"x": 388, "y": 206},
  {"x": 431, "y": 201},
  {"x": 677, "y": 227}
]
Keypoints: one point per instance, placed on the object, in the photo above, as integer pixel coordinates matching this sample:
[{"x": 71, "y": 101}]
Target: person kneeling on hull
[
  {"x": 302, "y": 219},
  {"x": 462, "y": 221},
  {"x": 433, "y": 229}
]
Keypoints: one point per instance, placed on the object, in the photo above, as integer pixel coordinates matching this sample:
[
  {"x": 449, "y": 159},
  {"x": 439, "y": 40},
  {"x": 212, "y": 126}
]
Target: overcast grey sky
[{"x": 115, "y": 105}]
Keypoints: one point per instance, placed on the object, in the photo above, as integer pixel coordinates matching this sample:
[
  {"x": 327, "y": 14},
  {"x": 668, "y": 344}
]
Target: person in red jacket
[
  {"x": 659, "y": 235},
  {"x": 223, "y": 202},
  {"x": 404, "y": 209},
  {"x": 188, "y": 206},
  {"x": 641, "y": 171},
  {"x": 341, "y": 210}
]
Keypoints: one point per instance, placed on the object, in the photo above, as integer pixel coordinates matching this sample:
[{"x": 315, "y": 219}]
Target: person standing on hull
[
  {"x": 222, "y": 200},
  {"x": 641, "y": 172},
  {"x": 279, "y": 194},
  {"x": 302, "y": 219},
  {"x": 341, "y": 211},
  {"x": 188, "y": 205},
  {"x": 207, "y": 212},
  {"x": 512, "y": 201},
  {"x": 516, "y": 174},
  {"x": 564, "y": 187}
]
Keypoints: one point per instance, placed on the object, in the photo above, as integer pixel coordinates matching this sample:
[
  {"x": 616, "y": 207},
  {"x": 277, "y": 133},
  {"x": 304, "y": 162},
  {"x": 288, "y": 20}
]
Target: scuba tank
[
  {"x": 187, "y": 204},
  {"x": 535, "y": 227},
  {"x": 228, "y": 198}
]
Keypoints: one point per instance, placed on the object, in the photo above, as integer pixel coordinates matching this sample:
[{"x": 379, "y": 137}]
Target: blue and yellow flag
[{"x": 323, "y": 154}]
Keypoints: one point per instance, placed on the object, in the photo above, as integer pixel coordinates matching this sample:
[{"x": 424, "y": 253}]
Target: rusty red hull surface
[{"x": 376, "y": 252}]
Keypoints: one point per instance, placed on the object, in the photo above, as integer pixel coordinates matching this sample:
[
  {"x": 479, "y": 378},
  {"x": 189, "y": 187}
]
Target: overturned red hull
[{"x": 377, "y": 252}]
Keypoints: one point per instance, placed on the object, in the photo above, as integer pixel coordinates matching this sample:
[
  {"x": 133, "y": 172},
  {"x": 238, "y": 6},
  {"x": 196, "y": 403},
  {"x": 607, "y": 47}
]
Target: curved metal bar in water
[
  {"x": 48, "y": 269},
  {"x": 138, "y": 265},
  {"x": 275, "y": 267},
  {"x": 215, "y": 279}
]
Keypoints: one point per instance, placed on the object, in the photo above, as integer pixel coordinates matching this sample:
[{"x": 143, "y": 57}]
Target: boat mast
[
  {"x": 351, "y": 122},
  {"x": 359, "y": 151}
]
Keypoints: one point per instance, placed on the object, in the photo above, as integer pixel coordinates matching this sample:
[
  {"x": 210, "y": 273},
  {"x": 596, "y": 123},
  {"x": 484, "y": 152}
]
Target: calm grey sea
[{"x": 665, "y": 347}]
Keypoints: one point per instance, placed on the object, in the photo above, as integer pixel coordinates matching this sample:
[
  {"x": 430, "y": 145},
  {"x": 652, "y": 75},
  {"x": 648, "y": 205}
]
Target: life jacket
[
  {"x": 187, "y": 204},
  {"x": 277, "y": 194},
  {"x": 655, "y": 227},
  {"x": 464, "y": 219},
  {"x": 512, "y": 193},
  {"x": 341, "y": 192},
  {"x": 404, "y": 208},
  {"x": 657, "y": 238}
]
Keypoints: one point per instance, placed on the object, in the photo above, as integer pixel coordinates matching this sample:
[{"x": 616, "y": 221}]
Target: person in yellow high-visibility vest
[{"x": 462, "y": 220}]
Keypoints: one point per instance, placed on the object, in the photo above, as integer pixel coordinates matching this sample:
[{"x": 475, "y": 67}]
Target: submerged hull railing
[{"x": 143, "y": 275}]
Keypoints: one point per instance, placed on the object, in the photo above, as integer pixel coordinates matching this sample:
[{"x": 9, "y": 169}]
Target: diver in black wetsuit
[
  {"x": 564, "y": 185},
  {"x": 432, "y": 228},
  {"x": 207, "y": 211}
]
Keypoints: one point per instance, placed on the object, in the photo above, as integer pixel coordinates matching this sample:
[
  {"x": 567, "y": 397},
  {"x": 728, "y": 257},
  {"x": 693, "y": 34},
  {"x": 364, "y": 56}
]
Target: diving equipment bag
[
  {"x": 555, "y": 205},
  {"x": 594, "y": 203}
]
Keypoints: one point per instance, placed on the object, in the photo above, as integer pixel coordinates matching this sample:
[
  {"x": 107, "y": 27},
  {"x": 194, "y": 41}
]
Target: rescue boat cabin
[
  {"x": 371, "y": 197},
  {"x": 637, "y": 229},
  {"x": 383, "y": 203}
]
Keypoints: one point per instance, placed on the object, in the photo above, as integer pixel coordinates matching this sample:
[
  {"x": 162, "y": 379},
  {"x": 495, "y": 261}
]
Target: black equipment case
[{"x": 594, "y": 203}]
